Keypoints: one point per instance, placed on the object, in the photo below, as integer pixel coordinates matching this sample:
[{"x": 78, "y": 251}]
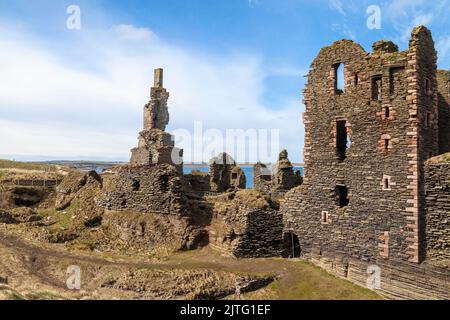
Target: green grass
[
  {"x": 63, "y": 219},
  {"x": 295, "y": 280},
  {"x": 8, "y": 164},
  {"x": 44, "y": 296},
  {"x": 443, "y": 158},
  {"x": 309, "y": 282},
  {"x": 8, "y": 294}
]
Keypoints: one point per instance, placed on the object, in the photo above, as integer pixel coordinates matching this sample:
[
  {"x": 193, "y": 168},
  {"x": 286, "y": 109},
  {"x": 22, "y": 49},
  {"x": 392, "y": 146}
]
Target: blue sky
[{"x": 235, "y": 64}]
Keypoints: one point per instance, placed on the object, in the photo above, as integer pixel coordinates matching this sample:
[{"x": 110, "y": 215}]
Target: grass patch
[
  {"x": 8, "y": 294},
  {"x": 294, "y": 280},
  {"x": 308, "y": 282},
  {"x": 9, "y": 164},
  {"x": 443, "y": 158},
  {"x": 44, "y": 296},
  {"x": 62, "y": 219}
]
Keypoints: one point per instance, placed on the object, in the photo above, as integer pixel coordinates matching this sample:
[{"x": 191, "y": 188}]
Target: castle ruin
[{"x": 369, "y": 193}]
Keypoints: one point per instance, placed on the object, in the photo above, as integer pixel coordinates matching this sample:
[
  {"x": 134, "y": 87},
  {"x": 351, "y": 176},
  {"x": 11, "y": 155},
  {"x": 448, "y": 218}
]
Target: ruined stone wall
[
  {"x": 443, "y": 79},
  {"x": 246, "y": 226},
  {"x": 225, "y": 174},
  {"x": 262, "y": 178},
  {"x": 197, "y": 181},
  {"x": 363, "y": 182},
  {"x": 437, "y": 187},
  {"x": 144, "y": 189},
  {"x": 279, "y": 180}
]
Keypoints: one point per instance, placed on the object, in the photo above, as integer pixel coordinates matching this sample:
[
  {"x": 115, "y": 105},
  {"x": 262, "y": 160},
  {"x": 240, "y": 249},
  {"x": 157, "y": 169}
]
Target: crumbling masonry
[
  {"x": 155, "y": 145},
  {"x": 279, "y": 180}
]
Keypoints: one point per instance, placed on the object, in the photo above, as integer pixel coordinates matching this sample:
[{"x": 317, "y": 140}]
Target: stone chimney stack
[{"x": 158, "y": 78}]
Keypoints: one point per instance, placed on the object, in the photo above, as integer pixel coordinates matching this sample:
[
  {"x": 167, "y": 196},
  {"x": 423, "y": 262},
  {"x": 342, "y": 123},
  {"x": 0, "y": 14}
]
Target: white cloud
[
  {"x": 402, "y": 7},
  {"x": 419, "y": 19},
  {"x": 89, "y": 104},
  {"x": 337, "y": 5},
  {"x": 130, "y": 32},
  {"x": 404, "y": 15}
]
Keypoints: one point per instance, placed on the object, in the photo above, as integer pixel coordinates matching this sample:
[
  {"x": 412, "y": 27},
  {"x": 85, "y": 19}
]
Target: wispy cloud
[
  {"x": 404, "y": 15},
  {"x": 253, "y": 3},
  {"x": 130, "y": 32},
  {"x": 337, "y": 5}
]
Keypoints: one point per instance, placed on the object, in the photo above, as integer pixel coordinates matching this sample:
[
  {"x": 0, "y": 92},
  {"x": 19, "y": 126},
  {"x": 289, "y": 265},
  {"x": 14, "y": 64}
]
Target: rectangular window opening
[
  {"x": 376, "y": 88},
  {"x": 394, "y": 78},
  {"x": 341, "y": 194},
  {"x": 341, "y": 139},
  {"x": 387, "y": 112},
  {"x": 325, "y": 219},
  {"x": 386, "y": 144},
  {"x": 136, "y": 186},
  {"x": 386, "y": 183}
]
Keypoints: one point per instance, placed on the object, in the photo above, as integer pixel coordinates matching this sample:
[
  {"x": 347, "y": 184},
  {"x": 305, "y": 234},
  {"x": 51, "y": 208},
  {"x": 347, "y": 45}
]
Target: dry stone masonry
[
  {"x": 225, "y": 174},
  {"x": 245, "y": 225},
  {"x": 437, "y": 187},
  {"x": 280, "y": 179},
  {"x": 145, "y": 189}
]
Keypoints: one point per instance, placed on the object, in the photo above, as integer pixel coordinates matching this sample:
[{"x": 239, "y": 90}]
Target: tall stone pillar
[{"x": 155, "y": 145}]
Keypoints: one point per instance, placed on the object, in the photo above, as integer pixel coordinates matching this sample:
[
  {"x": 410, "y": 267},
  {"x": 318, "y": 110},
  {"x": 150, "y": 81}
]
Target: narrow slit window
[
  {"x": 325, "y": 218},
  {"x": 339, "y": 79},
  {"x": 376, "y": 88},
  {"x": 387, "y": 112},
  {"x": 356, "y": 79},
  {"x": 342, "y": 140},
  {"x": 428, "y": 119},
  {"x": 387, "y": 144},
  {"x": 341, "y": 194},
  {"x": 387, "y": 183},
  {"x": 427, "y": 86}
]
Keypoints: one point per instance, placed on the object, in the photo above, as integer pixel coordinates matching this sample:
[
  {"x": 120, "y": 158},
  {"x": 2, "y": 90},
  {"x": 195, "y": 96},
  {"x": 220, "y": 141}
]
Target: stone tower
[
  {"x": 365, "y": 147},
  {"x": 155, "y": 145}
]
